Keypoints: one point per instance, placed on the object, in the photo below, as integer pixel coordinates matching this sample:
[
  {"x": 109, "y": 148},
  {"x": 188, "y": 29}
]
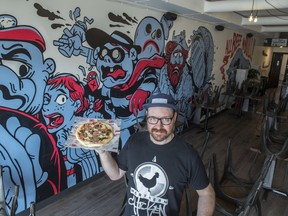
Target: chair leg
[
  {"x": 3, "y": 207},
  {"x": 204, "y": 145},
  {"x": 286, "y": 172},
  {"x": 228, "y": 169},
  {"x": 14, "y": 201},
  {"x": 124, "y": 203}
]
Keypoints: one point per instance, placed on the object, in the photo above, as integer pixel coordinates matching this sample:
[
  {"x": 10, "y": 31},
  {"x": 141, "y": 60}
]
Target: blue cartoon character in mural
[
  {"x": 175, "y": 78},
  {"x": 201, "y": 58},
  {"x": 128, "y": 71},
  {"x": 151, "y": 34},
  {"x": 29, "y": 155},
  {"x": 126, "y": 80},
  {"x": 63, "y": 101},
  {"x": 201, "y": 63}
]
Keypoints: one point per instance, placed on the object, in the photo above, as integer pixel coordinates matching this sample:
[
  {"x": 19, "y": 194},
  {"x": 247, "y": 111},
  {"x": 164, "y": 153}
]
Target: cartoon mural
[
  {"x": 63, "y": 101},
  {"x": 127, "y": 70},
  {"x": 38, "y": 106},
  {"x": 239, "y": 52},
  {"x": 29, "y": 155},
  {"x": 175, "y": 77}
]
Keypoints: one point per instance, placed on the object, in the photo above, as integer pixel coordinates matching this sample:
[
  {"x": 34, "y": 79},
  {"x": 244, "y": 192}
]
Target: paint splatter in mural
[
  {"x": 46, "y": 13},
  {"x": 120, "y": 21},
  {"x": 42, "y": 12},
  {"x": 125, "y": 19}
]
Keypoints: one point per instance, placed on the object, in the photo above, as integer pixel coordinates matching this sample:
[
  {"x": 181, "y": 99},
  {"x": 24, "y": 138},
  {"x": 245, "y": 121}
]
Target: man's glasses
[{"x": 164, "y": 121}]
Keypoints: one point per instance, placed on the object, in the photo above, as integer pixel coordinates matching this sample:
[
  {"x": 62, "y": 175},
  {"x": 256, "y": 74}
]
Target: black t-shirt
[{"x": 158, "y": 174}]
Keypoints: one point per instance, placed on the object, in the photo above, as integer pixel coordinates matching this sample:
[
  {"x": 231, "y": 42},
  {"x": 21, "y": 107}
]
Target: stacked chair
[
  {"x": 272, "y": 111},
  {"x": 273, "y": 142},
  {"x": 230, "y": 204},
  {"x": 273, "y": 147},
  {"x": 211, "y": 103},
  {"x": 245, "y": 95}
]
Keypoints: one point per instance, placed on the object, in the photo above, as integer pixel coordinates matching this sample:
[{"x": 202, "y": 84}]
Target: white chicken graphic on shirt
[{"x": 151, "y": 183}]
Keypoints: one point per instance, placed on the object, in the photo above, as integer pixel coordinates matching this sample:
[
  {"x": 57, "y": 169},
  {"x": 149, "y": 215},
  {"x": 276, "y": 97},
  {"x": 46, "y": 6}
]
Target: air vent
[{"x": 219, "y": 27}]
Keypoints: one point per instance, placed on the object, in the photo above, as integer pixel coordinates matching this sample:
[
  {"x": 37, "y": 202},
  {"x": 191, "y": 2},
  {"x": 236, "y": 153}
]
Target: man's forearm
[
  {"x": 206, "y": 206},
  {"x": 110, "y": 166},
  {"x": 206, "y": 202}
]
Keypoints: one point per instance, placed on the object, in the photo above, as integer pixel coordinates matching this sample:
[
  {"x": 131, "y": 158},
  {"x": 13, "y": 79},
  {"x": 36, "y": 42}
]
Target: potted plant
[{"x": 253, "y": 73}]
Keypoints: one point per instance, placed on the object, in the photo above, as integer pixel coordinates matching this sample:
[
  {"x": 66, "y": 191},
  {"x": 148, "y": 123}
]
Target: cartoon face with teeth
[
  {"x": 116, "y": 56},
  {"x": 116, "y": 65}
]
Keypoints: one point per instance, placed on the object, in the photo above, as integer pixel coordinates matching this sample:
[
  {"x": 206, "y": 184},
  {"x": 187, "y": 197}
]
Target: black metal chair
[
  {"x": 241, "y": 205},
  {"x": 273, "y": 142},
  {"x": 229, "y": 173},
  {"x": 276, "y": 145},
  {"x": 204, "y": 145}
]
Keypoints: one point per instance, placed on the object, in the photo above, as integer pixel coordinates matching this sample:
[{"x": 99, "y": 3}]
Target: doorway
[
  {"x": 279, "y": 70},
  {"x": 275, "y": 69}
]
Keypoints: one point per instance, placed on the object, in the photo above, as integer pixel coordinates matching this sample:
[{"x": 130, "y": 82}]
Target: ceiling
[{"x": 232, "y": 14}]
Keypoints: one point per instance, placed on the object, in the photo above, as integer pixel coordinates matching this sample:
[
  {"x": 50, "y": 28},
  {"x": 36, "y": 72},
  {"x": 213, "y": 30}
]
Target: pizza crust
[{"x": 95, "y": 134}]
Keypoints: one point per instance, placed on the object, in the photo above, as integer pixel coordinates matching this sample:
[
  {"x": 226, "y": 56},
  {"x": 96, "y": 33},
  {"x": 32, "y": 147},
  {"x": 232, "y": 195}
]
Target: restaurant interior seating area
[
  {"x": 246, "y": 158},
  {"x": 78, "y": 75}
]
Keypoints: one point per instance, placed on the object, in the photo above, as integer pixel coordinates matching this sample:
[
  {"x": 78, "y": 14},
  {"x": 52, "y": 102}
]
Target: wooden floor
[
  {"x": 244, "y": 133},
  {"x": 103, "y": 197}
]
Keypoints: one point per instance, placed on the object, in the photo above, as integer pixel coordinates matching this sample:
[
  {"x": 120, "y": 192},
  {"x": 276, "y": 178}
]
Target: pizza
[{"x": 94, "y": 133}]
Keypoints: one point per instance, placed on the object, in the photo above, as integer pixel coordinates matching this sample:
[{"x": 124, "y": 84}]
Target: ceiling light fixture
[
  {"x": 256, "y": 17},
  {"x": 253, "y": 18}
]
